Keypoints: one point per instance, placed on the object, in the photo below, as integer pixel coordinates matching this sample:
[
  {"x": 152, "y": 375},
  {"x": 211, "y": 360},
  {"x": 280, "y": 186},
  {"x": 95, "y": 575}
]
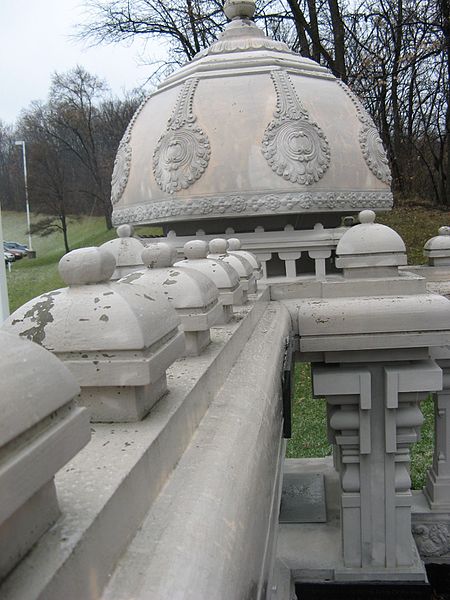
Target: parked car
[
  {"x": 17, "y": 246},
  {"x": 9, "y": 257},
  {"x": 10, "y": 247}
]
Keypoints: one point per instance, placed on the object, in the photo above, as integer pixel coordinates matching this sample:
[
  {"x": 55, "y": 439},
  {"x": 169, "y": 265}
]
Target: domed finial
[
  {"x": 218, "y": 246},
  {"x": 196, "y": 249},
  {"x": 366, "y": 216},
  {"x": 125, "y": 231},
  {"x": 86, "y": 265},
  {"x": 239, "y": 9},
  {"x": 158, "y": 256},
  {"x": 444, "y": 230},
  {"x": 234, "y": 244}
]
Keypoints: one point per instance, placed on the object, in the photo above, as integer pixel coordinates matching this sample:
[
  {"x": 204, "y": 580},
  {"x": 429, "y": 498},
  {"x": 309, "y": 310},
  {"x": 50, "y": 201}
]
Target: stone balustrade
[{"x": 378, "y": 343}]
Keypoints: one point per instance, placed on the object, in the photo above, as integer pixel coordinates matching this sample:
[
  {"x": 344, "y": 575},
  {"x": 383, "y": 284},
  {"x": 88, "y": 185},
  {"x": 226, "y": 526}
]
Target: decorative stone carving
[
  {"x": 121, "y": 171},
  {"x": 369, "y": 140},
  {"x": 432, "y": 539},
  {"x": 122, "y": 163},
  {"x": 293, "y": 145},
  {"x": 182, "y": 152},
  {"x": 235, "y": 205}
]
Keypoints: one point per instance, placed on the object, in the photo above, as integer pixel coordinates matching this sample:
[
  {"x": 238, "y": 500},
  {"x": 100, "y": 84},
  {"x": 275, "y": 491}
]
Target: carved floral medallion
[
  {"x": 182, "y": 152},
  {"x": 122, "y": 162},
  {"x": 369, "y": 139},
  {"x": 293, "y": 145}
]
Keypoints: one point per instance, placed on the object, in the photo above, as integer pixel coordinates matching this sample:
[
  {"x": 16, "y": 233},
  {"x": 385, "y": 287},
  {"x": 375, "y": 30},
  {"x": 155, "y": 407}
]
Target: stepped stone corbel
[
  {"x": 41, "y": 429},
  {"x": 193, "y": 295},
  {"x": 225, "y": 278},
  {"x": 118, "y": 340}
]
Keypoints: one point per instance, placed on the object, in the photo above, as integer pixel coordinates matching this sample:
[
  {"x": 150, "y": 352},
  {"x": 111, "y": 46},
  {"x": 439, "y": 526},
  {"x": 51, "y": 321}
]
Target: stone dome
[
  {"x": 370, "y": 244},
  {"x": 248, "y": 128}
]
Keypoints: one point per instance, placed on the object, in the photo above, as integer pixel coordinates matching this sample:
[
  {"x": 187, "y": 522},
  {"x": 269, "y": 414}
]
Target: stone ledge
[{"x": 124, "y": 467}]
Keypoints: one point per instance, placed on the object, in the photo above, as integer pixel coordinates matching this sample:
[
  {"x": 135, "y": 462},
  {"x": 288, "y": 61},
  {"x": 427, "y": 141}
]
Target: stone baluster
[
  {"x": 319, "y": 257},
  {"x": 118, "y": 340},
  {"x": 289, "y": 262},
  {"x": 41, "y": 429}
]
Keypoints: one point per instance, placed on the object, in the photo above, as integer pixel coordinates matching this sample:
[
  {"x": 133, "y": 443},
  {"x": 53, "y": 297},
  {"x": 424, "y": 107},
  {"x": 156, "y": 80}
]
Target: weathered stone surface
[
  {"x": 225, "y": 278},
  {"x": 218, "y": 251},
  {"x": 339, "y": 164},
  {"x": 126, "y": 250},
  {"x": 40, "y": 431},
  {"x": 117, "y": 340},
  {"x": 193, "y": 295}
]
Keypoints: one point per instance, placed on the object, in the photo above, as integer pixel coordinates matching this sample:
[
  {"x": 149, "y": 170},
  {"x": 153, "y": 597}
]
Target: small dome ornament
[
  {"x": 41, "y": 429},
  {"x": 437, "y": 249},
  {"x": 126, "y": 250},
  {"x": 234, "y": 247},
  {"x": 117, "y": 340},
  {"x": 218, "y": 250},
  {"x": 225, "y": 278},
  {"x": 193, "y": 295},
  {"x": 370, "y": 249}
]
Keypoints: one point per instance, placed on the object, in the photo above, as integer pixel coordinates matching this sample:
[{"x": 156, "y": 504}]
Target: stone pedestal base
[
  {"x": 196, "y": 341},
  {"x": 226, "y": 316},
  {"x": 23, "y": 528},
  {"x": 121, "y": 404}
]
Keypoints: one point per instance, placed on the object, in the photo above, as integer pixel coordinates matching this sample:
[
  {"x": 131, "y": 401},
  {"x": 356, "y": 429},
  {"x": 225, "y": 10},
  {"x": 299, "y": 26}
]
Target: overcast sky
[{"x": 35, "y": 41}]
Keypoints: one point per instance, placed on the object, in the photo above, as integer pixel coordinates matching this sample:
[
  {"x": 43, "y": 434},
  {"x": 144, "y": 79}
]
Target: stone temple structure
[
  {"x": 249, "y": 138},
  {"x": 183, "y": 490}
]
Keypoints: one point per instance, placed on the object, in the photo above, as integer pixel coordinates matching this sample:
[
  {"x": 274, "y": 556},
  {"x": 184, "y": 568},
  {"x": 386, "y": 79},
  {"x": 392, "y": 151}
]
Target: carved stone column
[
  {"x": 375, "y": 416},
  {"x": 437, "y": 486},
  {"x": 372, "y": 360}
]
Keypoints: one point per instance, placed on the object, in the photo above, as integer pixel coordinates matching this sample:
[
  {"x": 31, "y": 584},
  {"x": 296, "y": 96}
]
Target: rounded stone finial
[
  {"x": 125, "y": 231},
  {"x": 196, "y": 249},
  {"x": 86, "y": 265},
  {"x": 234, "y": 244},
  {"x": 159, "y": 256},
  {"x": 218, "y": 246},
  {"x": 239, "y": 9},
  {"x": 444, "y": 230},
  {"x": 367, "y": 216}
]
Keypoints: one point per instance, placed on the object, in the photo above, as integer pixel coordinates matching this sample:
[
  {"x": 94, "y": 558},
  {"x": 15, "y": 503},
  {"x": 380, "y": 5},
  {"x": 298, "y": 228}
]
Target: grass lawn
[{"x": 29, "y": 278}]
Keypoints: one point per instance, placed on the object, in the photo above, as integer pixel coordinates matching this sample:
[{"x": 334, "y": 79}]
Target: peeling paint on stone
[{"x": 41, "y": 315}]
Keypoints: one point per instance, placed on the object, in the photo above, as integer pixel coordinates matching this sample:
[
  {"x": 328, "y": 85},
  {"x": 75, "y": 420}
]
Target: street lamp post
[
  {"x": 27, "y": 204},
  {"x": 4, "y": 305}
]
